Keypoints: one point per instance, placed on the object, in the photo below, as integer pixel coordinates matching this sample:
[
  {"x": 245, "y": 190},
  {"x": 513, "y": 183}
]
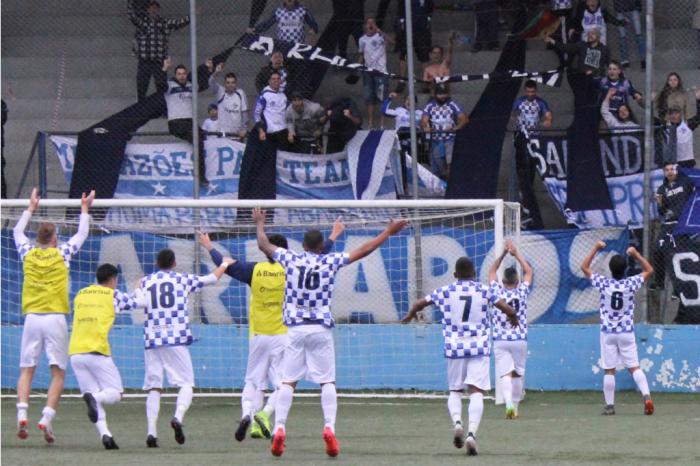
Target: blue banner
[
  {"x": 689, "y": 222},
  {"x": 378, "y": 289}
]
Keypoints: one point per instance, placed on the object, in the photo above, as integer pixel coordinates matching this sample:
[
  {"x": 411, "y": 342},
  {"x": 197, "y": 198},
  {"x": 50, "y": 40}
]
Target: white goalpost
[{"x": 374, "y": 352}]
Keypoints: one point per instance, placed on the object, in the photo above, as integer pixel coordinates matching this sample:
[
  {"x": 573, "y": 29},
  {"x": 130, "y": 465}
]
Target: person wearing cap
[
  {"x": 305, "y": 120},
  {"x": 674, "y": 137},
  {"x": 232, "y": 104},
  {"x": 671, "y": 198},
  {"x": 151, "y": 44},
  {"x": 211, "y": 124},
  {"x": 442, "y": 118}
]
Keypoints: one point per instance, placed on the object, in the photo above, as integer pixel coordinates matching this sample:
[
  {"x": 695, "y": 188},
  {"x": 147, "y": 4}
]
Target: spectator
[
  {"x": 442, "y": 117},
  {"x": 623, "y": 118},
  {"x": 270, "y": 111},
  {"x": 232, "y": 104},
  {"x": 623, "y": 87},
  {"x": 372, "y": 53},
  {"x": 4, "y": 120},
  {"x": 672, "y": 95},
  {"x": 305, "y": 120},
  {"x": 630, "y": 11},
  {"x": 485, "y": 25},
  {"x": 530, "y": 113},
  {"x": 402, "y": 124},
  {"x": 276, "y": 65},
  {"x": 290, "y": 19},
  {"x": 593, "y": 56},
  {"x": 671, "y": 198},
  {"x": 674, "y": 138},
  {"x": 421, "y": 17},
  {"x": 178, "y": 98},
  {"x": 440, "y": 62},
  {"x": 151, "y": 36},
  {"x": 211, "y": 124},
  {"x": 345, "y": 119},
  {"x": 346, "y": 21},
  {"x": 590, "y": 14}
]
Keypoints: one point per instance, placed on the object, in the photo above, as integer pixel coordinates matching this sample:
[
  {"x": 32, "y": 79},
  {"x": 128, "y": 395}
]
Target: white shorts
[
  {"x": 265, "y": 360},
  {"x": 469, "y": 371},
  {"x": 48, "y": 332},
  {"x": 174, "y": 360},
  {"x": 95, "y": 372},
  {"x": 510, "y": 356},
  {"x": 309, "y": 354},
  {"x": 618, "y": 348}
]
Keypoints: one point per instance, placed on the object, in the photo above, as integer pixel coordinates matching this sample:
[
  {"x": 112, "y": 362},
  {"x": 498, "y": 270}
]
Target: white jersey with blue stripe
[
  {"x": 465, "y": 323},
  {"x": 270, "y": 109},
  {"x": 617, "y": 302},
  {"x": 309, "y": 285},
  {"x": 517, "y": 299}
]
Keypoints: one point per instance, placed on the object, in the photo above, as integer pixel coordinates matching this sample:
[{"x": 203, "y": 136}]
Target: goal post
[{"x": 370, "y": 296}]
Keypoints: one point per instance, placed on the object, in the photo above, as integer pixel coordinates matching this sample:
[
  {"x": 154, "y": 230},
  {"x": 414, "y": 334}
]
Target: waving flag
[{"x": 689, "y": 221}]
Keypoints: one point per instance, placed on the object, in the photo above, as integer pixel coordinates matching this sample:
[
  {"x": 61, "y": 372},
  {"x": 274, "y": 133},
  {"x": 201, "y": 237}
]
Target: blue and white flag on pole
[
  {"x": 689, "y": 221},
  {"x": 369, "y": 154}
]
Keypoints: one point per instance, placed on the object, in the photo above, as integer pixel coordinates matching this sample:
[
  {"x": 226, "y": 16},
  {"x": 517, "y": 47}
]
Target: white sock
[
  {"x": 284, "y": 403},
  {"x": 517, "y": 390},
  {"x": 247, "y": 400},
  {"x": 641, "y": 380},
  {"x": 184, "y": 400},
  {"x": 47, "y": 415},
  {"x": 507, "y": 389},
  {"x": 609, "y": 389},
  {"x": 270, "y": 405},
  {"x": 454, "y": 406},
  {"x": 476, "y": 409},
  {"x": 102, "y": 428},
  {"x": 22, "y": 411},
  {"x": 108, "y": 396},
  {"x": 329, "y": 403},
  {"x": 258, "y": 400},
  {"x": 152, "y": 410}
]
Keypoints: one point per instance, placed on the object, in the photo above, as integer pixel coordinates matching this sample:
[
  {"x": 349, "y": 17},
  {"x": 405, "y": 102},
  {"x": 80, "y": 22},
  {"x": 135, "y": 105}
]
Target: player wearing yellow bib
[
  {"x": 94, "y": 308},
  {"x": 268, "y": 333},
  {"x": 45, "y": 305}
]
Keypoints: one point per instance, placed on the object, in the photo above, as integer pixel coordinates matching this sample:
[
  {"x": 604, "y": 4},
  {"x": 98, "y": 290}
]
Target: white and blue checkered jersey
[
  {"x": 167, "y": 320},
  {"x": 617, "y": 302},
  {"x": 309, "y": 288},
  {"x": 290, "y": 23},
  {"x": 465, "y": 317},
  {"x": 517, "y": 299},
  {"x": 443, "y": 117}
]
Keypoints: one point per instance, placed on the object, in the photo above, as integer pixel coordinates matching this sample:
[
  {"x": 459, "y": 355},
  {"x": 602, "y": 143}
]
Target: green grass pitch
[{"x": 555, "y": 428}]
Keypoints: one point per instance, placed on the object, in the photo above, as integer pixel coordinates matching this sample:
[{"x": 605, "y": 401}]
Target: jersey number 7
[{"x": 467, "y": 307}]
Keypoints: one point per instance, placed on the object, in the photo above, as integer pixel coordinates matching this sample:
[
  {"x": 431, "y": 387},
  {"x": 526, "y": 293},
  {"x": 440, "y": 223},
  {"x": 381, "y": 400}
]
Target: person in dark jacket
[
  {"x": 671, "y": 198},
  {"x": 345, "y": 119},
  {"x": 593, "y": 56},
  {"x": 276, "y": 65}
]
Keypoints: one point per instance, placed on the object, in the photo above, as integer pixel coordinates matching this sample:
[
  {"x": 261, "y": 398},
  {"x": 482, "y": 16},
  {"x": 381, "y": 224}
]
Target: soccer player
[
  {"x": 510, "y": 343},
  {"x": 167, "y": 334},
  {"x": 308, "y": 293},
  {"x": 465, "y": 326},
  {"x": 617, "y": 343},
  {"x": 45, "y": 305},
  {"x": 94, "y": 308},
  {"x": 268, "y": 334}
]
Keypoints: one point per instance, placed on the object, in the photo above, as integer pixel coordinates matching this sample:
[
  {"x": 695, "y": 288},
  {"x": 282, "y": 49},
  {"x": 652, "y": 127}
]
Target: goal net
[{"x": 373, "y": 351}]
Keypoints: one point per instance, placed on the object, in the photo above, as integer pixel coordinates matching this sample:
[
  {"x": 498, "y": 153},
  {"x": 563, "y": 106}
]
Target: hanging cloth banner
[{"x": 297, "y": 51}]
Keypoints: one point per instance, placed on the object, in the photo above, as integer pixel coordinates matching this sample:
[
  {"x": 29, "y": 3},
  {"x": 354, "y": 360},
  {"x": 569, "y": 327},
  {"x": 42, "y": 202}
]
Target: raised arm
[
  {"x": 18, "y": 231},
  {"x": 264, "y": 244},
  {"x": 175, "y": 24},
  {"x": 647, "y": 269},
  {"x": 527, "y": 270},
  {"x": 586, "y": 264},
  {"x": 415, "y": 309},
  {"x": 311, "y": 21},
  {"x": 450, "y": 49},
  {"x": 493, "y": 270},
  {"x": 134, "y": 17},
  {"x": 367, "y": 248},
  {"x": 81, "y": 235},
  {"x": 265, "y": 25}
]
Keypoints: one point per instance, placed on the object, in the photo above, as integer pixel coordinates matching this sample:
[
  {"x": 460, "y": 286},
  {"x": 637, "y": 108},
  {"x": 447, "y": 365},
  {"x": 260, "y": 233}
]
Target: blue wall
[{"x": 562, "y": 357}]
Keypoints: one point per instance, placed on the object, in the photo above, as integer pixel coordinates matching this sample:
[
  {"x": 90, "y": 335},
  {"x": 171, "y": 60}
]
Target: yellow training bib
[
  {"x": 93, "y": 316},
  {"x": 266, "y": 298},
  {"x": 45, "y": 288}
]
